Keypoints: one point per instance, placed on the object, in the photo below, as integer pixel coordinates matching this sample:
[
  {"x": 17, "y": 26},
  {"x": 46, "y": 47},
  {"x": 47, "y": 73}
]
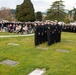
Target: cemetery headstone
[
  {"x": 38, "y": 72},
  {"x": 9, "y": 62}
]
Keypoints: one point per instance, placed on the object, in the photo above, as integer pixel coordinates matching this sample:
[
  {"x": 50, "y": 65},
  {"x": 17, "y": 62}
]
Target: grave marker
[
  {"x": 9, "y": 62},
  {"x": 63, "y": 51},
  {"x": 38, "y": 72}
]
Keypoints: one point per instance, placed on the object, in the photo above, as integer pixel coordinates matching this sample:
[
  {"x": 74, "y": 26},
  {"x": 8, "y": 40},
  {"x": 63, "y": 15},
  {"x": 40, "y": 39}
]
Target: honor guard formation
[{"x": 48, "y": 32}]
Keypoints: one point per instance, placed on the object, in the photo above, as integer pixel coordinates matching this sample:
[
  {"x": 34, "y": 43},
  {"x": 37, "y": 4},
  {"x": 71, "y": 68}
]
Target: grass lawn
[
  {"x": 30, "y": 58},
  {"x": 7, "y": 33}
]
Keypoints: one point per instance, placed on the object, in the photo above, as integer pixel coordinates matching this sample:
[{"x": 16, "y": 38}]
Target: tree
[
  {"x": 13, "y": 11},
  {"x": 18, "y": 12},
  {"x": 5, "y": 13},
  {"x": 56, "y": 11},
  {"x": 38, "y": 16},
  {"x": 74, "y": 14},
  {"x": 25, "y": 11}
]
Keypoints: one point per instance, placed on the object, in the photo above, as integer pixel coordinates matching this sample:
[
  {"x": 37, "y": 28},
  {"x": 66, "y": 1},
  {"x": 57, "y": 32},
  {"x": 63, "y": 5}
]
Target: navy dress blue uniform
[
  {"x": 59, "y": 29},
  {"x": 53, "y": 34},
  {"x": 36, "y": 35},
  {"x": 45, "y": 32},
  {"x": 49, "y": 34}
]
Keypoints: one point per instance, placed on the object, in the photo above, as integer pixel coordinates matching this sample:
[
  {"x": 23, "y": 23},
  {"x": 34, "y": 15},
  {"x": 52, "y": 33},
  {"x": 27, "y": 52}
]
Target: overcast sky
[{"x": 39, "y": 5}]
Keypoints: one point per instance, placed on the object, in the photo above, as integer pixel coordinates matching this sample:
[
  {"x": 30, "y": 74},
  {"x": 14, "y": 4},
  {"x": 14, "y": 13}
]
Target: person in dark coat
[
  {"x": 49, "y": 34},
  {"x": 36, "y": 34}
]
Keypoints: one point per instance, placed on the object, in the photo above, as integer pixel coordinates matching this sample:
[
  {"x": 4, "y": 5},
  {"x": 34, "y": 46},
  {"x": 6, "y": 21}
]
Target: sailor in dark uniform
[
  {"x": 39, "y": 31},
  {"x": 75, "y": 28},
  {"x": 49, "y": 34},
  {"x": 52, "y": 35},
  {"x": 36, "y": 34},
  {"x": 59, "y": 27},
  {"x": 55, "y": 32},
  {"x": 45, "y": 32}
]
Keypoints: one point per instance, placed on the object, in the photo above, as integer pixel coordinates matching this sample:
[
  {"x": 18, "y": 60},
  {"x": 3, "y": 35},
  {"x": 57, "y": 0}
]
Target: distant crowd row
[
  {"x": 16, "y": 27},
  {"x": 26, "y": 28}
]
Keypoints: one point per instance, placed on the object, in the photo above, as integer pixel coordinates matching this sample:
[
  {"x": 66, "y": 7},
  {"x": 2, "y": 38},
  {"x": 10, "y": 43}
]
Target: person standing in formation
[{"x": 47, "y": 32}]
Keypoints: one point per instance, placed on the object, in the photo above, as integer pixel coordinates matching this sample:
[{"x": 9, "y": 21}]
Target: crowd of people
[
  {"x": 22, "y": 28},
  {"x": 28, "y": 27},
  {"x": 69, "y": 28}
]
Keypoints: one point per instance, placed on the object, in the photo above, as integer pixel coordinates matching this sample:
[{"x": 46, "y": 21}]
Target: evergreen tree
[
  {"x": 25, "y": 11},
  {"x": 17, "y": 12},
  {"x": 74, "y": 14},
  {"x": 38, "y": 16},
  {"x": 56, "y": 11}
]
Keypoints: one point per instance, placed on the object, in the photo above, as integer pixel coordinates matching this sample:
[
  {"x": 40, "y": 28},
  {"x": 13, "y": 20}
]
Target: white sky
[{"x": 39, "y": 5}]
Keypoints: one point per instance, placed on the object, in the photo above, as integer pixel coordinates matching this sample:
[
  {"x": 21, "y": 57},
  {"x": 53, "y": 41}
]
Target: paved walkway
[{"x": 5, "y": 36}]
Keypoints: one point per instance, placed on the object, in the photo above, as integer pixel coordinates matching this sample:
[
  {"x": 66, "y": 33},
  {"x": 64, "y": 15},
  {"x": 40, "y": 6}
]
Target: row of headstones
[{"x": 37, "y": 71}]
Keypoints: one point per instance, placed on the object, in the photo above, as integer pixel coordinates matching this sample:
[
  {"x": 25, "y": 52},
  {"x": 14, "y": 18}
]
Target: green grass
[
  {"x": 7, "y": 33},
  {"x": 30, "y": 58}
]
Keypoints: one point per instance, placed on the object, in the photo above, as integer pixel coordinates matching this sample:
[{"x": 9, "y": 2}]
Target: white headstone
[
  {"x": 37, "y": 72},
  {"x": 60, "y": 50},
  {"x": 42, "y": 48},
  {"x": 13, "y": 44},
  {"x": 9, "y": 62}
]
